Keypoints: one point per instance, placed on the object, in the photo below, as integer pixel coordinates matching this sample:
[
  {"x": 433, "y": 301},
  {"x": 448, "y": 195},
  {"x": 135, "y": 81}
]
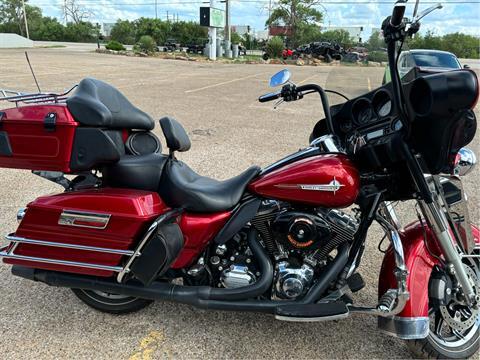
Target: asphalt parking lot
[{"x": 230, "y": 131}]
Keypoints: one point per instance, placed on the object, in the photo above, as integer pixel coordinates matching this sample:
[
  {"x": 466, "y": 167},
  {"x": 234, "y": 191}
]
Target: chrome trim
[
  {"x": 68, "y": 218},
  {"x": 21, "y": 214},
  {"x": 10, "y": 255},
  {"x": 394, "y": 300},
  {"x": 328, "y": 144},
  {"x": 312, "y": 319},
  {"x": 333, "y": 186},
  {"x": 388, "y": 211},
  {"x": 17, "y": 239},
  {"x": 406, "y": 328}
]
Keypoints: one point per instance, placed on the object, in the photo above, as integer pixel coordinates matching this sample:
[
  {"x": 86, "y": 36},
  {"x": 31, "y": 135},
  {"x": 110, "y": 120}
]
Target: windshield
[
  {"x": 352, "y": 80},
  {"x": 436, "y": 59}
]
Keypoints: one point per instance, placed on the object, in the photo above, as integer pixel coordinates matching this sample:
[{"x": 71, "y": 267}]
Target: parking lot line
[{"x": 221, "y": 83}]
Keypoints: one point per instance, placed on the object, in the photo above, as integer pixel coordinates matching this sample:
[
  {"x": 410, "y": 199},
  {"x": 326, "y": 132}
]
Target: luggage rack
[{"x": 34, "y": 98}]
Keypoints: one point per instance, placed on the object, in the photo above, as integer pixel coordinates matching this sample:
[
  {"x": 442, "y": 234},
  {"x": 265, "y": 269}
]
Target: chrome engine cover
[
  {"x": 292, "y": 282},
  {"x": 237, "y": 276}
]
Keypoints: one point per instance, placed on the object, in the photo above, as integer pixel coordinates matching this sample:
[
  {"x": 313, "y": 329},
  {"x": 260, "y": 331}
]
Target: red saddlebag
[{"x": 88, "y": 232}]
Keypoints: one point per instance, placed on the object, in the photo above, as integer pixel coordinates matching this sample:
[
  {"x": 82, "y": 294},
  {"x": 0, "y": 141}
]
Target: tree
[
  {"x": 124, "y": 32},
  {"x": 339, "y": 36},
  {"x": 298, "y": 15},
  {"x": 11, "y": 16},
  {"x": 236, "y": 38},
  {"x": 376, "y": 41},
  {"x": 75, "y": 12}
]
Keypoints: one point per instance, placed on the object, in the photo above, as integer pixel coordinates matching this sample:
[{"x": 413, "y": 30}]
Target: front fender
[{"x": 412, "y": 322}]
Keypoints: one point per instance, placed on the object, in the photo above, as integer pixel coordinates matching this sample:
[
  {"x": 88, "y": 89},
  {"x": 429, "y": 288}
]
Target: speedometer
[
  {"x": 385, "y": 109},
  {"x": 362, "y": 112},
  {"x": 382, "y": 103}
]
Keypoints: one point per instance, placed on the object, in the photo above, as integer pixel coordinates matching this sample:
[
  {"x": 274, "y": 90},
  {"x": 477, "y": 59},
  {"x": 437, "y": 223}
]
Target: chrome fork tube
[{"x": 439, "y": 224}]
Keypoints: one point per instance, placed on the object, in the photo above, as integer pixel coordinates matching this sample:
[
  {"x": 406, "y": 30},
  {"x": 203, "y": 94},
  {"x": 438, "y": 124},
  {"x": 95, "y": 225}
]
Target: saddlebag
[
  {"x": 159, "y": 253},
  {"x": 91, "y": 232}
]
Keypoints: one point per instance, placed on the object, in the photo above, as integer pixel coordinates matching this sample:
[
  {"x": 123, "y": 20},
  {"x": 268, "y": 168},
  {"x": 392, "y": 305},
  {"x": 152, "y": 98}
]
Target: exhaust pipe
[{"x": 238, "y": 299}]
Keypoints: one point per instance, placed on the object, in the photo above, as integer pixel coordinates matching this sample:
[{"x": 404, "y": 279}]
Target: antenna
[{"x": 33, "y": 73}]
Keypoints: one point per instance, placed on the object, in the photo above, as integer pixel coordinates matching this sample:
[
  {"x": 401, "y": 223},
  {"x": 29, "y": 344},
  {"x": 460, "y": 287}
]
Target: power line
[{"x": 192, "y": 2}]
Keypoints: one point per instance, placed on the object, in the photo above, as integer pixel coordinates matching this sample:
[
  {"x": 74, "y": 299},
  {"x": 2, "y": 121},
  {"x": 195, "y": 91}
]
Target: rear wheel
[
  {"x": 111, "y": 303},
  {"x": 454, "y": 328}
]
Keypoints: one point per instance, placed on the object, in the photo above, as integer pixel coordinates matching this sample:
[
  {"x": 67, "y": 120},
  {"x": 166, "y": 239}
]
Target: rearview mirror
[{"x": 280, "y": 78}]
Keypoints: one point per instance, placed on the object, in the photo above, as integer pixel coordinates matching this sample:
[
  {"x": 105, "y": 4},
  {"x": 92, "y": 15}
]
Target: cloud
[{"x": 452, "y": 18}]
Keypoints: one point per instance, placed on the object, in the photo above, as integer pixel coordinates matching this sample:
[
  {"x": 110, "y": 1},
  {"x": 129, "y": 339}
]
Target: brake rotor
[{"x": 461, "y": 318}]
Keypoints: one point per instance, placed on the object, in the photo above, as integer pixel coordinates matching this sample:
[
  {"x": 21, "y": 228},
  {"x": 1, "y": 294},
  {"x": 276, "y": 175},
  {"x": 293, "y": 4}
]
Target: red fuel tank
[{"x": 329, "y": 180}]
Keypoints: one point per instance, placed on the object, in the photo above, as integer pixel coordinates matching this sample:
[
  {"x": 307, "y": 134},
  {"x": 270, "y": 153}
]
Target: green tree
[
  {"x": 298, "y": 15},
  {"x": 340, "y": 36},
  {"x": 11, "y": 16},
  {"x": 124, "y": 32},
  {"x": 375, "y": 41},
  {"x": 49, "y": 30},
  {"x": 81, "y": 32},
  {"x": 236, "y": 38}
]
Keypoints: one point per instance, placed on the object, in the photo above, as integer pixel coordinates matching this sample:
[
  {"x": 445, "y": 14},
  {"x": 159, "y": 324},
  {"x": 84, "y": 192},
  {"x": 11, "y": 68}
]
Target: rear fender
[{"x": 412, "y": 322}]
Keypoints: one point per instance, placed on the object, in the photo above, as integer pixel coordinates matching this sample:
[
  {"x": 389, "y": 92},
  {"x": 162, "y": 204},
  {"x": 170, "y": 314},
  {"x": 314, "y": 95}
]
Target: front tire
[
  {"x": 111, "y": 303},
  {"x": 454, "y": 329}
]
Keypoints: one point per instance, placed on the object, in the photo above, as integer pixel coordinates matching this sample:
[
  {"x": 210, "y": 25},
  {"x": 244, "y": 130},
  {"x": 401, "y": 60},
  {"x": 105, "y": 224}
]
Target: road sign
[{"x": 212, "y": 17}]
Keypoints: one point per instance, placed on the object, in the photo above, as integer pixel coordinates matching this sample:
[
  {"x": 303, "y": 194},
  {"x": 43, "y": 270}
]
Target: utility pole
[
  {"x": 269, "y": 16},
  {"x": 25, "y": 18},
  {"x": 167, "y": 16},
  {"x": 228, "y": 35},
  {"x": 65, "y": 11},
  {"x": 212, "y": 32},
  {"x": 156, "y": 10}
]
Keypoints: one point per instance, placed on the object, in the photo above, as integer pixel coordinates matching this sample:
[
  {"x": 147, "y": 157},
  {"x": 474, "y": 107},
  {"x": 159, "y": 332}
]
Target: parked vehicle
[
  {"x": 326, "y": 50},
  {"x": 197, "y": 47},
  {"x": 172, "y": 45},
  {"x": 424, "y": 61},
  {"x": 278, "y": 240}
]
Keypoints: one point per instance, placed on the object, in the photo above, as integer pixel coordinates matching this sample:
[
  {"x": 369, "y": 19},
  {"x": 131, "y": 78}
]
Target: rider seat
[{"x": 181, "y": 187}]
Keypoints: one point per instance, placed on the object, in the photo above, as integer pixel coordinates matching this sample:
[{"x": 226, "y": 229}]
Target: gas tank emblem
[{"x": 333, "y": 186}]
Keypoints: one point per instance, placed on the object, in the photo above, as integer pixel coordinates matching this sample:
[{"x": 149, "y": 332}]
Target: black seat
[
  {"x": 99, "y": 104},
  {"x": 136, "y": 172},
  {"x": 181, "y": 187}
]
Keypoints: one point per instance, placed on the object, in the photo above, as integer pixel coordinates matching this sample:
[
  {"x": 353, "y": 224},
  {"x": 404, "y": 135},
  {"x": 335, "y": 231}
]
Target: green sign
[
  {"x": 217, "y": 18},
  {"x": 212, "y": 17}
]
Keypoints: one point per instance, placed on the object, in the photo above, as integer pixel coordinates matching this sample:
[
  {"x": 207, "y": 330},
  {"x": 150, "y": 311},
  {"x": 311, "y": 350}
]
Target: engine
[{"x": 300, "y": 242}]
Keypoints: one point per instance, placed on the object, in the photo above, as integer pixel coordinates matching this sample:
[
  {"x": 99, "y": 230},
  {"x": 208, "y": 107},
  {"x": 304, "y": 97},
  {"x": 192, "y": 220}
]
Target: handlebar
[
  {"x": 398, "y": 13},
  {"x": 270, "y": 97},
  {"x": 291, "y": 93}
]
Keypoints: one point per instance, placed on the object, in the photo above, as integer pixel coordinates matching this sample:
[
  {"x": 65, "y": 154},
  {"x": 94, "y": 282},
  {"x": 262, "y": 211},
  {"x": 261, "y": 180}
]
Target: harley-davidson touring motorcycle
[{"x": 135, "y": 225}]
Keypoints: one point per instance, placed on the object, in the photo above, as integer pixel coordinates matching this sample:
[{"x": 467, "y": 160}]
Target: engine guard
[{"x": 413, "y": 321}]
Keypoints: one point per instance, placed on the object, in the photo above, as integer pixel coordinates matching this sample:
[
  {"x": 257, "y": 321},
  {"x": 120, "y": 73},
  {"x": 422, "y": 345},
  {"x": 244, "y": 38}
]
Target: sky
[{"x": 456, "y": 15}]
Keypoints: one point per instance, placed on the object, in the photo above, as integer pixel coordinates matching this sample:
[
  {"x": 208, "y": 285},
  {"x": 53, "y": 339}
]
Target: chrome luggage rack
[{"x": 34, "y": 98}]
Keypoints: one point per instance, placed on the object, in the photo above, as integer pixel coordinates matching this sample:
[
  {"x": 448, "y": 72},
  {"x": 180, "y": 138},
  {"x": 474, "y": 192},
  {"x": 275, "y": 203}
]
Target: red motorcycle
[{"x": 135, "y": 225}]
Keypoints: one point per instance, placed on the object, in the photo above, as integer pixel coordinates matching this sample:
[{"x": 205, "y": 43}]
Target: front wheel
[
  {"x": 111, "y": 303},
  {"x": 454, "y": 328}
]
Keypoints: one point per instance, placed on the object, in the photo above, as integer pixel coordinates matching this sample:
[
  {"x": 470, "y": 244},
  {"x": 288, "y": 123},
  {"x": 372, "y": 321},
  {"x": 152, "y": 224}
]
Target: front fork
[{"x": 436, "y": 214}]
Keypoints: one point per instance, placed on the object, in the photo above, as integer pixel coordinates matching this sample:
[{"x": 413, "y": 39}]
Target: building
[
  {"x": 106, "y": 29},
  {"x": 356, "y": 32},
  {"x": 241, "y": 29}
]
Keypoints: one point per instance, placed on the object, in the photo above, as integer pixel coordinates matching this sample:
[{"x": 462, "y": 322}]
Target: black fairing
[
  {"x": 443, "y": 122},
  {"x": 99, "y": 104}
]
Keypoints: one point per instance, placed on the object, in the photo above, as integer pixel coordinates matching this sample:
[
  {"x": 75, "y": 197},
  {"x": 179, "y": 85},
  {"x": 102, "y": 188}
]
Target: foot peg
[
  {"x": 355, "y": 282},
  {"x": 312, "y": 312}
]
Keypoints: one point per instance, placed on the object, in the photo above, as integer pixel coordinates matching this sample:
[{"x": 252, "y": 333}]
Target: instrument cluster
[{"x": 371, "y": 115}]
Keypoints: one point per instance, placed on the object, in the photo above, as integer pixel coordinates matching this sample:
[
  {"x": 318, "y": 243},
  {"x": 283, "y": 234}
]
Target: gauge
[
  {"x": 382, "y": 103},
  {"x": 362, "y": 112},
  {"x": 384, "y": 109}
]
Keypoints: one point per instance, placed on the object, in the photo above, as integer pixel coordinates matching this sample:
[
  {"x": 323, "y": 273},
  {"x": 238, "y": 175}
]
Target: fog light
[{"x": 21, "y": 214}]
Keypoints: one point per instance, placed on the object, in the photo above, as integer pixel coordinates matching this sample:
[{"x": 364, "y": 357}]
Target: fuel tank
[{"x": 327, "y": 180}]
